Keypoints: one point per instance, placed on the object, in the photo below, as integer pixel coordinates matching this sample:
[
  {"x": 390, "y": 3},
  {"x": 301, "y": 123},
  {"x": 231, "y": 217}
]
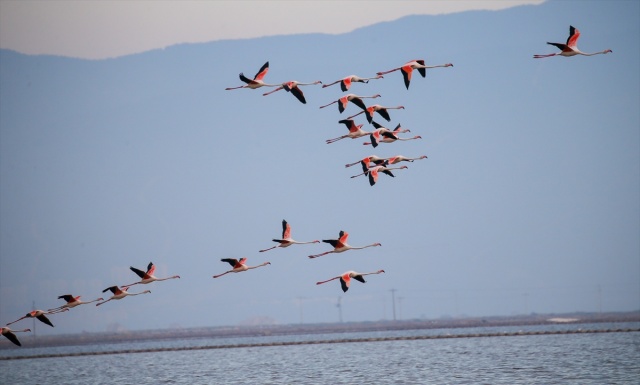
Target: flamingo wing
[
  {"x": 388, "y": 172},
  {"x": 12, "y": 337},
  {"x": 139, "y": 272},
  {"x": 345, "y": 84},
  {"x": 263, "y": 71},
  {"x": 359, "y": 278},
  {"x": 406, "y": 74},
  {"x": 373, "y": 177},
  {"x": 151, "y": 268},
  {"x": 114, "y": 289},
  {"x": 358, "y": 102},
  {"x": 574, "y": 34},
  {"x": 297, "y": 92},
  {"x": 43, "y": 318},
  {"x": 343, "y": 237},
  {"x": 422, "y": 71},
  {"x": 232, "y": 261},
  {"x": 286, "y": 230},
  {"x": 67, "y": 297},
  {"x": 385, "y": 114},
  {"x": 345, "y": 281}
]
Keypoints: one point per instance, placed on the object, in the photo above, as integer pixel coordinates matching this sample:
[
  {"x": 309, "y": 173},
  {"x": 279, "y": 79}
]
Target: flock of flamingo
[{"x": 371, "y": 166}]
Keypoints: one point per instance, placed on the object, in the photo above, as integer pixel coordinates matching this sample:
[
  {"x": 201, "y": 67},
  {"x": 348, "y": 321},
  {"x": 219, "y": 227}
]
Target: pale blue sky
[{"x": 528, "y": 201}]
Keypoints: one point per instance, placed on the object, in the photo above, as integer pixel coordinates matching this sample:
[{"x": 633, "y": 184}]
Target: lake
[{"x": 389, "y": 357}]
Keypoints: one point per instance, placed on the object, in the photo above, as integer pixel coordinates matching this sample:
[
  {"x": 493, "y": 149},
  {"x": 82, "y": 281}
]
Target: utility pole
[
  {"x": 400, "y": 307},
  {"x": 393, "y": 302},
  {"x": 33, "y": 305}
]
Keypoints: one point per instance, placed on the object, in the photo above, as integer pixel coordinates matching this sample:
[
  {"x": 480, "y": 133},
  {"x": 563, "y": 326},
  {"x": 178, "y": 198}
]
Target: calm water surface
[{"x": 592, "y": 358}]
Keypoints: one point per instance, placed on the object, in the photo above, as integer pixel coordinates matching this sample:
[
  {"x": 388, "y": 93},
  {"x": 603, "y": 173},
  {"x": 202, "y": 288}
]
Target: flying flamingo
[
  {"x": 371, "y": 158},
  {"x": 256, "y": 82},
  {"x": 286, "y": 240},
  {"x": 7, "y": 332},
  {"x": 355, "y": 131},
  {"x": 353, "y": 98},
  {"x": 239, "y": 266},
  {"x": 119, "y": 293},
  {"x": 72, "y": 302},
  {"x": 345, "y": 279},
  {"x": 293, "y": 87},
  {"x": 345, "y": 83},
  {"x": 372, "y": 172},
  {"x": 148, "y": 277},
  {"x": 383, "y": 135},
  {"x": 340, "y": 245},
  {"x": 408, "y": 67},
  {"x": 40, "y": 315},
  {"x": 571, "y": 47},
  {"x": 400, "y": 158},
  {"x": 381, "y": 110}
]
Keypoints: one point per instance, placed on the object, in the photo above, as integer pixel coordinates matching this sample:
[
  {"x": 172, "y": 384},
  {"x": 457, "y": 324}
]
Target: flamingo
[
  {"x": 40, "y": 315},
  {"x": 353, "y": 98},
  {"x": 571, "y": 47},
  {"x": 381, "y": 110},
  {"x": 408, "y": 67},
  {"x": 400, "y": 158},
  {"x": 73, "y": 302},
  {"x": 371, "y": 158},
  {"x": 355, "y": 131},
  {"x": 340, "y": 245},
  {"x": 257, "y": 81},
  {"x": 293, "y": 87},
  {"x": 384, "y": 135},
  {"x": 7, "y": 332},
  {"x": 119, "y": 293},
  {"x": 148, "y": 277},
  {"x": 286, "y": 240},
  {"x": 345, "y": 83},
  {"x": 372, "y": 172},
  {"x": 239, "y": 266},
  {"x": 345, "y": 279}
]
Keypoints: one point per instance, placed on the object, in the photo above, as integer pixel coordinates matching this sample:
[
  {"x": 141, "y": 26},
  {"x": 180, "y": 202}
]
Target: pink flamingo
[
  {"x": 381, "y": 110},
  {"x": 345, "y": 83},
  {"x": 353, "y": 98},
  {"x": 571, "y": 47},
  {"x": 340, "y": 245},
  {"x": 400, "y": 158},
  {"x": 73, "y": 302},
  {"x": 286, "y": 240},
  {"x": 40, "y": 315},
  {"x": 257, "y": 81},
  {"x": 238, "y": 266},
  {"x": 355, "y": 131},
  {"x": 7, "y": 332},
  {"x": 120, "y": 293},
  {"x": 148, "y": 277},
  {"x": 293, "y": 87},
  {"x": 408, "y": 67},
  {"x": 384, "y": 135},
  {"x": 372, "y": 172},
  {"x": 345, "y": 279},
  {"x": 371, "y": 158}
]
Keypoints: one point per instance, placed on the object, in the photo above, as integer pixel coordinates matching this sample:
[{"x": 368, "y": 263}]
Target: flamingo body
[{"x": 40, "y": 315}]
